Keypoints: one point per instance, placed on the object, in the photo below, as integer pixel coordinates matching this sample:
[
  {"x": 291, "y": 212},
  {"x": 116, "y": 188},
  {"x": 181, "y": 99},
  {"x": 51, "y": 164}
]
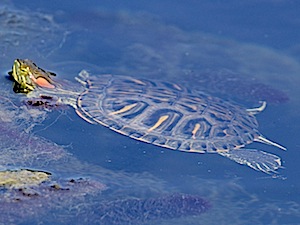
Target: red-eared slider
[{"x": 157, "y": 112}]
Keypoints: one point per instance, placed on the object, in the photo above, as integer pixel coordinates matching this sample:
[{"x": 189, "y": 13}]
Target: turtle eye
[{"x": 51, "y": 73}]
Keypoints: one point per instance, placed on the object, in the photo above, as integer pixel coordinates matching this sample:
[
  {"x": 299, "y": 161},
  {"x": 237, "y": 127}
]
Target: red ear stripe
[{"x": 43, "y": 82}]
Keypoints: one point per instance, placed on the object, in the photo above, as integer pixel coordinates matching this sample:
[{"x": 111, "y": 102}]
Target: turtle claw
[{"x": 82, "y": 77}]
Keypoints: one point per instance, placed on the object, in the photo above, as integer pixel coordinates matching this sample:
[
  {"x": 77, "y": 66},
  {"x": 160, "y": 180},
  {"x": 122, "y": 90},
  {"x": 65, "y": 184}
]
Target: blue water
[{"x": 258, "y": 41}]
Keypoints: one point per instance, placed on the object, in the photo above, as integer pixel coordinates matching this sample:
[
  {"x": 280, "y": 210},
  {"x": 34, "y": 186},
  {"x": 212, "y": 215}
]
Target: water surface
[{"x": 244, "y": 52}]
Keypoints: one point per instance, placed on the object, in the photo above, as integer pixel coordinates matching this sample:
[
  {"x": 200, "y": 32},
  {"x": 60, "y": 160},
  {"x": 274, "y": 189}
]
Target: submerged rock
[
  {"x": 28, "y": 196},
  {"x": 18, "y": 179}
]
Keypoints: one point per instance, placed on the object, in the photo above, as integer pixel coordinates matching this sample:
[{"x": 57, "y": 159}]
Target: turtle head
[{"x": 27, "y": 76}]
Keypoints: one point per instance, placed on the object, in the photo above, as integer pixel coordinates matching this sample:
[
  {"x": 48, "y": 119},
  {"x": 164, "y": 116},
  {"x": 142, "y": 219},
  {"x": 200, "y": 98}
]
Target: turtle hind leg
[{"x": 256, "y": 159}]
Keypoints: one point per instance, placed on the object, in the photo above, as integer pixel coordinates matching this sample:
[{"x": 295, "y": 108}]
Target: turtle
[{"x": 158, "y": 112}]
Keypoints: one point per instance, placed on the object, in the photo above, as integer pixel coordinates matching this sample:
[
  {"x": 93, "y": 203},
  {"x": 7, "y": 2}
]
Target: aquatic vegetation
[
  {"x": 37, "y": 31},
  {"x": 140, "y": 211}
]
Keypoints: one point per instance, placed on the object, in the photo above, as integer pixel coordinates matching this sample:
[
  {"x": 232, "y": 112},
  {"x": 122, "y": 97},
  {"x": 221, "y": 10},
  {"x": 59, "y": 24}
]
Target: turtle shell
[{"x": 166, "y": 114}]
